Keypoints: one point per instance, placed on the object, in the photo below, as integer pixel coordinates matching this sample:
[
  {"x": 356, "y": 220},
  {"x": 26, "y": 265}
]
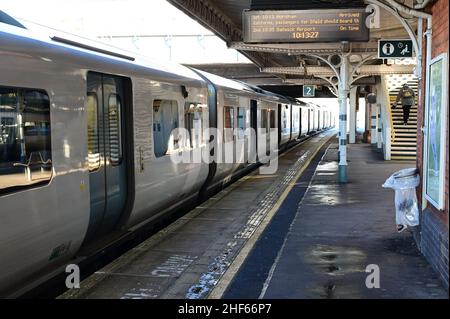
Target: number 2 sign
[{"x": 309, "y": 91}]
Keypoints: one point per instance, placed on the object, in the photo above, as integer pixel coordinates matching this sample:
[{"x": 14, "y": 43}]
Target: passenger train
[{"x": 85, "y": 143}]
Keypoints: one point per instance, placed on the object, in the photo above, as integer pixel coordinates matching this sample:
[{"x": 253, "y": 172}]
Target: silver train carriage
[{"x": 86, "y": 142}]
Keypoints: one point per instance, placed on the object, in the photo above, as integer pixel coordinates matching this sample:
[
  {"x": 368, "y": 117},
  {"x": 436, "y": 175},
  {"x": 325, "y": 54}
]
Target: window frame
[
  {"x": 440, "y": 202},
  {"x": 177, "y": 106},
  {"x": 119, "y": 121},
  {"x": 232, "y": 120},
  {"x": 187, "y": 123},
  {"x": 98, "y": 130},
  {"x": 20, "y": 98},
  {"x": 244, "y": 117}
]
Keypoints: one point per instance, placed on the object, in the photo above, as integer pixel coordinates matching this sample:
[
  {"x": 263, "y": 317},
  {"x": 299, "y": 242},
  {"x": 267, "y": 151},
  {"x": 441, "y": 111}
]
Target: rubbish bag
[{"x": 404, "y": 183}]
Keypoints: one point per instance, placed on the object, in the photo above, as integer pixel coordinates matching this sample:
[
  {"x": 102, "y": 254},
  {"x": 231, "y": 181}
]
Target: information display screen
[{"x": 290, "y": 26}]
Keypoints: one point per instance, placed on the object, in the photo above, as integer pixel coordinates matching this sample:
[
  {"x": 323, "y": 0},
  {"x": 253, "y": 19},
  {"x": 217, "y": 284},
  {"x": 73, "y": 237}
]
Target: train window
[
  {"x": 93, "y": 136},
  {"x": 25, "y": 144},
  {"x": 264, "y": 119},
  {"x": 268, "y": 119},
  {"x": 165, "y": 120},
  {"x": 228, "y": 123},
  {"x": 241, "y": 121},
  {"x": 115, "y": 129},
  {"x": 193, "y": 119},
  {"x": 241, "y": 118},
  {"x": 285, "y": 119},
  {"x": 295, "y": 120},
  {"x": 272, "y": 119}
]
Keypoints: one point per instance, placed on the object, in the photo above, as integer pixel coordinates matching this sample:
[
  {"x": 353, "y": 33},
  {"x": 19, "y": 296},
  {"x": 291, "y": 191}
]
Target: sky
[{"x": 151, "y": 27}]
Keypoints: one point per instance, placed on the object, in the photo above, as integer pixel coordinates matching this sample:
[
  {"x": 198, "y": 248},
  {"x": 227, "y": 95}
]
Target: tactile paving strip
[{"x": 217, "y": 268}]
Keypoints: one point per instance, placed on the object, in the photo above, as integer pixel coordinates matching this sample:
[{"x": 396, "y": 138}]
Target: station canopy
[{"x": 295, "y": 64}]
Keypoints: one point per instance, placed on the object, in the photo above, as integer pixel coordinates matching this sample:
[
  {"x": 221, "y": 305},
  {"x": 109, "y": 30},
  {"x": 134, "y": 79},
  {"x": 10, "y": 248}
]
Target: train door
[
  {"x": 310, "y": 119},
  {"x": 318, "y": 125},
  {"x": 290, "y": 120},
  {"x": 253, "y": 115},
  {"x": 280, "y": 127},
  {"x": 301, "y": 124},
  {"x": 254, "y": 122},
  {"x": 107, "y": 162},
  {"x": 295, "y": 119}
]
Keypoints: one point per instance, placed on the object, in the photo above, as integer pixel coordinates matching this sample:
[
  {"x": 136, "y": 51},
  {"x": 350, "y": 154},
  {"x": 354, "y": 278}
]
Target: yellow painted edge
[{"x": 228, "y": 276}]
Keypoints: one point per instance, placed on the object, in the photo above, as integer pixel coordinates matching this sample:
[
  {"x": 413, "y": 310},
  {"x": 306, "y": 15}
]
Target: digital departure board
[{"x": 287, "y": 26}]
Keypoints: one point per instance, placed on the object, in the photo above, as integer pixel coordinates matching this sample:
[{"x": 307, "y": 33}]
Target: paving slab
[{"x": 341, "y": 229}]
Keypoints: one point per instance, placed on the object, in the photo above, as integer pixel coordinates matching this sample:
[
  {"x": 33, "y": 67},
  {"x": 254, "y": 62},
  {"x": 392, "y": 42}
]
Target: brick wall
[
  {"x": 433, "y": 237},
  {"x": 434, "y": 244},
  {"x": 440, "y": 45}
]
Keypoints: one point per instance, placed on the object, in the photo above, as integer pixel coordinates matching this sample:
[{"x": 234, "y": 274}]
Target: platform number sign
[
  {"x": 309, "y": 91},
  {"x": 395, "y": 49}
]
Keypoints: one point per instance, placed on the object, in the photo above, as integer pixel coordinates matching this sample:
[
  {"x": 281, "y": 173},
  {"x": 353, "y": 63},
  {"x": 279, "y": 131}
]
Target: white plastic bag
[{"x": 404, "y": 182}]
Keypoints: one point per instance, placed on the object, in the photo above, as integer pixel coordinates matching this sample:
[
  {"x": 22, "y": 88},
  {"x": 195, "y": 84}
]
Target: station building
[{"x": 299, "y": 251}]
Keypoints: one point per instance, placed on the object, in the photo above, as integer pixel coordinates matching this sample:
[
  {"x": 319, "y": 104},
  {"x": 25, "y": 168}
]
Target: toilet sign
[{"x": 395, "y": 49}]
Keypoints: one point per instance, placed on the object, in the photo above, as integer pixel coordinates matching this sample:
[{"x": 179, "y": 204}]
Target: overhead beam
[
  {"x": 308, "y": 70},
  {"x": 370, "y": 80},
  {"x": 305, "y": 48},
  {"x": 384, "y": 69},
  {"x": 326, "y": 71},
  {"x": 250, "y": 73}
]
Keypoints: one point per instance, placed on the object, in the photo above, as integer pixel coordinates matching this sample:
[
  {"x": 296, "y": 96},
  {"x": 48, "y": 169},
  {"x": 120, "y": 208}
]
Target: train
[{"x": 86, "y": 143}]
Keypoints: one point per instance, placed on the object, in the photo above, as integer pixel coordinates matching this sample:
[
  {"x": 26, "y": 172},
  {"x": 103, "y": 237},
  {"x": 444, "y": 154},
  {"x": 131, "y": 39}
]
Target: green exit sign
[{"x": 309, "y": 91}]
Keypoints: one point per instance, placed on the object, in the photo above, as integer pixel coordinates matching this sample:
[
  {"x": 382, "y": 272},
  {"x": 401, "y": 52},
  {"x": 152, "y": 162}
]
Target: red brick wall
[
  {"x": 440, "y": 27},
  {"x": 439, "y": 10}
]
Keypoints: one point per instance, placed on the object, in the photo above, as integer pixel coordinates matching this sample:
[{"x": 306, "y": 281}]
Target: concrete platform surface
[{"x": 338, "y": 231}]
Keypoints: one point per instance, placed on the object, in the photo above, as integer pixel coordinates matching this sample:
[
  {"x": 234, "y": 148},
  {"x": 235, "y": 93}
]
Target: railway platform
[
  {"x": 338, "y": 230},
  {"x": 188, "y": 258},
  {"x": 264, "y": 237}
]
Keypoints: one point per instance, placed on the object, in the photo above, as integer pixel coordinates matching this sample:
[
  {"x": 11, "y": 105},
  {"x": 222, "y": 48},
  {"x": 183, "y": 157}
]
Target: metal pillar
[
  {"x": 385, "y": 118},
  {"x": 374, "y": 115},
  {"x": 353, "y": 100},
  {"x": 379, "y": 127},
  {"x": 343, "y": 93}
]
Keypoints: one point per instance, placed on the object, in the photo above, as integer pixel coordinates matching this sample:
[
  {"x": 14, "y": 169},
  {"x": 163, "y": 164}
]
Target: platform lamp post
[
  {"x": 345, "y": 76},
  {"x": 344, "y": 88},
  {"x": 341, "y": 66}
]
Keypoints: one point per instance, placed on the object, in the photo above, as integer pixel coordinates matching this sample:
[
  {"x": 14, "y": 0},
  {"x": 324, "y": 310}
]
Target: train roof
[
  {"x": 41, "y": 40},
  {"x": 98, "y": 56},
  {"x": 222, "y": 82}
]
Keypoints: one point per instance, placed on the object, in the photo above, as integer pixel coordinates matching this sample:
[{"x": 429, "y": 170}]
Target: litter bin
[{"x": 404, "y": 183}]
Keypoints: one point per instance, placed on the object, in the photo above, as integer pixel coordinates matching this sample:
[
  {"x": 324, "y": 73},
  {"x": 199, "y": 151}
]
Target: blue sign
[{"x": 309, "y": 91}]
